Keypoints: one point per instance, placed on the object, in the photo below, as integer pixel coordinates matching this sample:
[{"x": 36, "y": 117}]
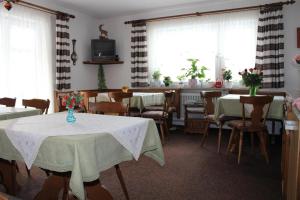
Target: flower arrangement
[
  {"x": 252, "y": 78},
  {"x": 297, "y": 59},
  {"x": 72, "y": 100}
]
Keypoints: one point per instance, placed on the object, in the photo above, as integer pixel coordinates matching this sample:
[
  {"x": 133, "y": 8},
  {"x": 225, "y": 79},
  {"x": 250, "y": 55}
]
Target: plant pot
[
  {"x": 228, "y": 84},
  {"x": 156, "y": 83},
  {"x": 193, "y": 83}
]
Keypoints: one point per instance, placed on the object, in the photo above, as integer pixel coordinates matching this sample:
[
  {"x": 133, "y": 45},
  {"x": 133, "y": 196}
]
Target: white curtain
[
  {"x": 222, "y": 40},
  {"x": 25, "y": 54}
]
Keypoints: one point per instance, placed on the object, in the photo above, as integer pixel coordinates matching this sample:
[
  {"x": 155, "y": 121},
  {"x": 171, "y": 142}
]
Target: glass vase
[
  {"x": 252, "y": 91},
  {"x": 70, "y": 116}
]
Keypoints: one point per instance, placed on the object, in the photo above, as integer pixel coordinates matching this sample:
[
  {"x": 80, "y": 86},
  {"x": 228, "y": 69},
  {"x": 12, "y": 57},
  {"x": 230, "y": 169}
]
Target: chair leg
[
  {"x": 121, "y": 179},
  {"x": 252, "y": 142},
  {"x": 230, "y": 140},
  {"x": 205, "y": 134},
  {"x": 240, "y": 145},
  {"x": 263, "y": 146},
  {"x": 165, "y": 123},
  {"x": 220, "y": 137},
  {"x": 162, "y": 133}
]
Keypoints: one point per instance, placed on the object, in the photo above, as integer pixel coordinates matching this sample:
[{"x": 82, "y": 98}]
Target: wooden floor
[{"x": 191, "y": 173}]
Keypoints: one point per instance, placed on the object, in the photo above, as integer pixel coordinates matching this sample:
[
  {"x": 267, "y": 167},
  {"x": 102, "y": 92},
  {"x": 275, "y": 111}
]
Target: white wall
[
  {"x": 83, "y": 28},
  {"x": 119, "y": 75}
]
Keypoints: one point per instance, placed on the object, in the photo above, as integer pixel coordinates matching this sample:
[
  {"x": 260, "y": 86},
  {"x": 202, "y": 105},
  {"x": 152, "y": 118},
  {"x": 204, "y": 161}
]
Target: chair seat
[
  {"x": 159, "y": 108},
  {"x": 154, "y": 114},
  {"x": 239, "y": 124},
  {"x": 195, "y": 109},
  {"x": 135, "y": 114}
]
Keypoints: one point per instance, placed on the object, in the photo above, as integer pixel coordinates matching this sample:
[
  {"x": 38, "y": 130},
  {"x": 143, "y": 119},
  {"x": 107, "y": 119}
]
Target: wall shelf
[{"x": 103, "y": 62}]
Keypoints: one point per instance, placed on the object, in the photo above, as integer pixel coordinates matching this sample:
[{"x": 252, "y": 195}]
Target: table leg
[
  {"x": 8, "y": 176},
  {"x": 53, "y": 185},
  {"x": 96, "y": 191}
]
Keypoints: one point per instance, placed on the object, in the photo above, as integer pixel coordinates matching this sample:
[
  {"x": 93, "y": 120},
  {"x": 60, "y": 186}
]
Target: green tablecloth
[
  {"x": 139, "y": 100},
  {"x": 12, "y": 113},
  {"x": 230, "y": 105},
  {"x": 84, "y": 155}
]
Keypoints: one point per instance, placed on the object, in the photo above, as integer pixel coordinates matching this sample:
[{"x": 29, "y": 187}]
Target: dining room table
[
  {"x": 75, "y": 153},
  {"x": 12, "y": 112},
  {"x": 229, "y": 105},
  {"x": 139, "y": 100}
]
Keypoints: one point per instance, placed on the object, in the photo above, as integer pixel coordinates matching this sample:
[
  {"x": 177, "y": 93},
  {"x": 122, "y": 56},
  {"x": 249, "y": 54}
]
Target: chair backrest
[
  {"x": 259, "y": 92},
  {"x": 8, "y": 102},
  {"x": 119, "y": 96},
  {"x": 41, "y": 104},
  {"x": 258, "y": 116},
  {"x": 107, "y": 108},
  {"x": 209, "y": 99},
  {"x": 169, "y": 100}
]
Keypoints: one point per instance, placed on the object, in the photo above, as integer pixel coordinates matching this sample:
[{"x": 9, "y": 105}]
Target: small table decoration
[
  {"x": 252, "y": 78},
  {"x": 70, "y": 101}
]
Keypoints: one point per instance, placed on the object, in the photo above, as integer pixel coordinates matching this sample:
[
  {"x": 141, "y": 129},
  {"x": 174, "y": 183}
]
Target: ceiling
[{"x": 110, "y": 8}]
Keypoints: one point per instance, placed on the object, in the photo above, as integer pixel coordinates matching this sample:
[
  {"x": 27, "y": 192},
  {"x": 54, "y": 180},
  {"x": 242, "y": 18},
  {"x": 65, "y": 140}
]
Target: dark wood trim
[
  {"x": 103, "y": 62},
  {"x": 298, "y": 37},
  {"x": 197, "y": 14}
]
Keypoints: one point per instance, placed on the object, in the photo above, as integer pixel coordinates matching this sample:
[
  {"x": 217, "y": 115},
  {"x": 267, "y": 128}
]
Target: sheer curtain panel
[
  {"x": 221, "y": 40},
  {"x": 25, "y": 54}
]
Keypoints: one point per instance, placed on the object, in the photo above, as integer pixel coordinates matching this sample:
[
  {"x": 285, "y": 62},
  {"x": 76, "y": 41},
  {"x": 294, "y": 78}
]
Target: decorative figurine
[{"x": 103, "y": 33}]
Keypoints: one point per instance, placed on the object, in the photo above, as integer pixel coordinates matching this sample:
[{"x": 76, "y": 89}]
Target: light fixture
[{"x": 7, "y": 3}]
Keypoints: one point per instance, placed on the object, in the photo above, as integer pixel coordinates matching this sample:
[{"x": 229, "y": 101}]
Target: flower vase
[
  {"x": 252, "y": 91},
  {"x": 70, "y": 116}
]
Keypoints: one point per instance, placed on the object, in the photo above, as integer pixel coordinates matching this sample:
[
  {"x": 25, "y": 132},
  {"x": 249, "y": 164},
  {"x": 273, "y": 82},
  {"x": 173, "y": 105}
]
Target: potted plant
[
  {"x": 194, "y": 72},
  {"x": 156, "y": 78},
  {"x": 227, "y": 76},
  {"x": 180, "y": 79},
  {"x": 167, "y": 81}
]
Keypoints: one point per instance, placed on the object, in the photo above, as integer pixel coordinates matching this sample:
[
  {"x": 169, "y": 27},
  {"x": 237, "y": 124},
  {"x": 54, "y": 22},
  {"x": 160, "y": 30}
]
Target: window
[
  {"x": 25, "y": 54},
  {"x": 223, "y": 40}
]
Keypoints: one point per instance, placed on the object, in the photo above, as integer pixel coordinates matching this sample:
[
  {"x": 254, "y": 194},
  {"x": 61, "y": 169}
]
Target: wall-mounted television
[{"x": 103, "y": 49}]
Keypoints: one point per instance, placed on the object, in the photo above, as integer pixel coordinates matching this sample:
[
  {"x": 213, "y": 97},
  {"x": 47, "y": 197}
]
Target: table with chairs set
[
  {"x": 75, "y": 154},
  {"x": 242, "y": 113}
]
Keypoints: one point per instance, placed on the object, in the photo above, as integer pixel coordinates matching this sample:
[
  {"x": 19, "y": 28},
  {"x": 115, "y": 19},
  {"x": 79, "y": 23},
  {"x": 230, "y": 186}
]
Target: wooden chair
[
  {"x": 41, "y": 104},
  {"x": 161, "y": 116},
  {"x": 270, "y": 93},
  {"x": 111, "y": 108},
  {"x": 256, "y": 124},
  {"x": 119, "y": 96},
  {"x": 209, "y": 98},
  {"x": 8, "y": 102}
]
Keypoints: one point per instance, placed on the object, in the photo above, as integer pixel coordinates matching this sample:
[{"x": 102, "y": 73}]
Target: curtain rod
[
  {"x": 42, "y": 8},
  {"x": 196, "y": 14}
]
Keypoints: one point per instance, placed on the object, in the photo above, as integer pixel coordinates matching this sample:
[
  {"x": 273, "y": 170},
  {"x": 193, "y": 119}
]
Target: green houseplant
[
  {"x": 227, "y": 76},
  {"x": 194, "y": 71},
  {"x": 156, "y": 78},
  {"x": 167, "y": 81}
]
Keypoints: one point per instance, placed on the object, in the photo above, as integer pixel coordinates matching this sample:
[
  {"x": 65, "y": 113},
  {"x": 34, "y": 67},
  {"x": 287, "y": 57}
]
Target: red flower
[{"x": 251, "y": 70}]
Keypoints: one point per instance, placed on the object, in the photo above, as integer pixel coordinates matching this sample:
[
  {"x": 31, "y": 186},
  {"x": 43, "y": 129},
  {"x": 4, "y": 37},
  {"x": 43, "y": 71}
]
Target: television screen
[{"x": 103, "y": 49}]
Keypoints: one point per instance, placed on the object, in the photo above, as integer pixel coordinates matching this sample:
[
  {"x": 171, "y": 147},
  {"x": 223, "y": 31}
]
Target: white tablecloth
[{"x": 27, "y": 134}]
